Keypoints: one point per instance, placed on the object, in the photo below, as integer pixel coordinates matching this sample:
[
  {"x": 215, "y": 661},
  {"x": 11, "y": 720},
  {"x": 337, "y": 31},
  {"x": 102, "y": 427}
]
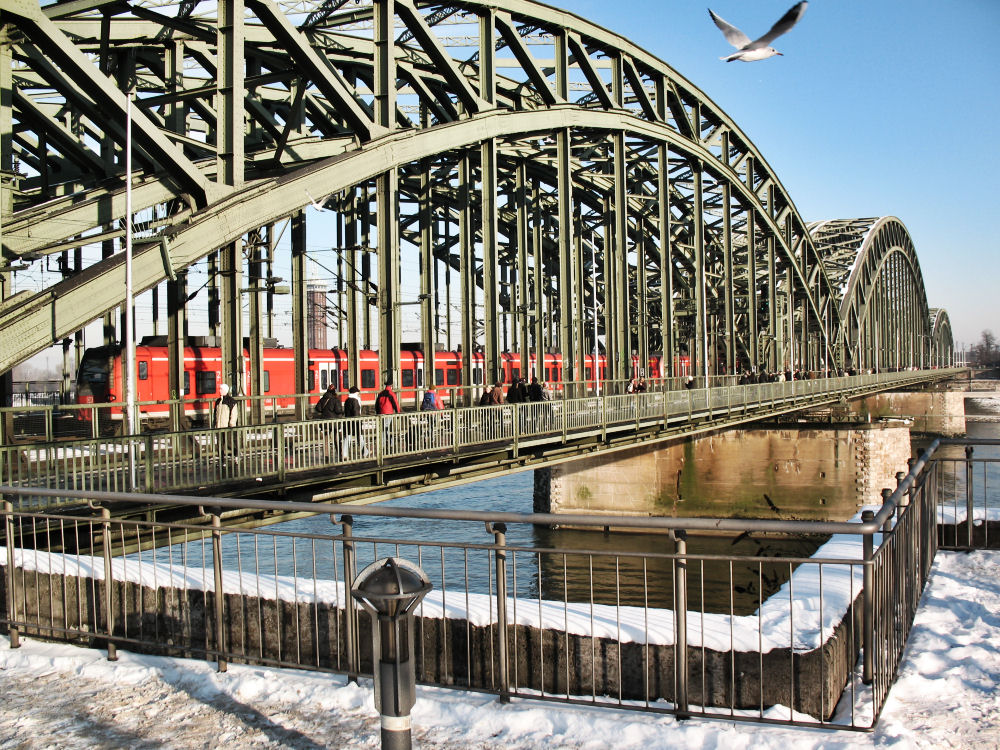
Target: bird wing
[
  {"x": 733, "y": 35},
  {"x": 784, "y": 24}
]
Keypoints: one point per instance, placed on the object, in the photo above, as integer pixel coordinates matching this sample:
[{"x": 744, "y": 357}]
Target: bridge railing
[
  {"x": 798, "y": 640},
  {"x": 273, "y": 452}
]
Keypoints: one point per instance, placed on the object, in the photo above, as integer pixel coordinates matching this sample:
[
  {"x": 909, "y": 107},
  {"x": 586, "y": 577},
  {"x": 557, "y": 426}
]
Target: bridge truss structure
[{"x": 533, "y": 180}]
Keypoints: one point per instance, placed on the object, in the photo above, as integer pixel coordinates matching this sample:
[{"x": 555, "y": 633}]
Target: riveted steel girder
[{"x": 589, "y": 192}]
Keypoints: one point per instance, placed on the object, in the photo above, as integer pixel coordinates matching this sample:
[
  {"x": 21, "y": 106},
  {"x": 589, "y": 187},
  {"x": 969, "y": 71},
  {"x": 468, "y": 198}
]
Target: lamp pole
[{"x": 129, "y": 305}]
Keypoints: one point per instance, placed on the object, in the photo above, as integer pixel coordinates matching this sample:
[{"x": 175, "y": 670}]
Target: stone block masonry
[
  {"x": 449, "y": 651},
  {"x": 784, "y": 472}
]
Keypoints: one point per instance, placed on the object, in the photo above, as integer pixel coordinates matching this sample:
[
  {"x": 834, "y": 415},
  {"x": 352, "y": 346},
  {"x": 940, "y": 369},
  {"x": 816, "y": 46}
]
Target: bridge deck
[{"x": 375, "y": 458}]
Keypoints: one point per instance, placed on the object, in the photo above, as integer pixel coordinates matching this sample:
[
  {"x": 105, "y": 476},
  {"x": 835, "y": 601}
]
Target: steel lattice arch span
[{"x": 533, "y": 180}]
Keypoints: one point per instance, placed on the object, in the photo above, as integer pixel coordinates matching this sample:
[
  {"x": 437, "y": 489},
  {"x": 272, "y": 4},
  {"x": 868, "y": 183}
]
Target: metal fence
[
  {"x": 180, "y": 461},
  {"x": 794, "y": 640}
]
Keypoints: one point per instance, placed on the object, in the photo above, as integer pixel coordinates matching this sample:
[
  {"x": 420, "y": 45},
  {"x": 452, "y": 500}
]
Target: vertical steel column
[
  {"x": 567, "y": 283},
  {"x": 523, "y": 309},
  {"x": 356, "y": 299},
  {"x": 233, "y": 359},
  {"x": 300, "y": 329},
  {"x": 230, "y": 93},
  {"x": 488, "y": 235},
  {"x": 7, "y": 187},
  {"x": 727, "y": 266},
  {"x": 619, "y": 313},
  {"x": 772, "y": 306},
  {"x": 753, "y": 327},
  {"x": 538, "y": 298},
  {"x": 387, "y": 195},
  {"x": 387, "y": 185},
  {"x": 176, "y": 338},
  {"x": 425, "y": 210},
  {"x": 467, "y": 272},
  {"x": 698, "y": 238},
  {"x": 258, "y": 240},
  {"x": 667, "y": 340}
]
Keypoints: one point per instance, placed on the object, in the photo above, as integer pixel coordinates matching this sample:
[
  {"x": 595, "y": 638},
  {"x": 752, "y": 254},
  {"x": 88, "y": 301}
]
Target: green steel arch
[
  {"x": 576, "y": 190},
  {"x": 886, "y": 320}
]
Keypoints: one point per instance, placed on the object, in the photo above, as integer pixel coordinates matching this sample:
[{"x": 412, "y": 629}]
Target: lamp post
[{"x": 390, "y": 590}]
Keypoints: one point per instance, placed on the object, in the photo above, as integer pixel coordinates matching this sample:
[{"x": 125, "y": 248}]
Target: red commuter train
[{"x": 99, "y": 379}]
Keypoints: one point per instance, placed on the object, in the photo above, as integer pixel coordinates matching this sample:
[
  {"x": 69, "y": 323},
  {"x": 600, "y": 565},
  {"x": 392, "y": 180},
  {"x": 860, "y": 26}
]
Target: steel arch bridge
[{"x": 550, "y": 182}]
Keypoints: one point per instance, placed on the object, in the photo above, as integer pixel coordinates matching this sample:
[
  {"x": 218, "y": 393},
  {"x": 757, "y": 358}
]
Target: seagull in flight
[{"x": 758, "y": 49}]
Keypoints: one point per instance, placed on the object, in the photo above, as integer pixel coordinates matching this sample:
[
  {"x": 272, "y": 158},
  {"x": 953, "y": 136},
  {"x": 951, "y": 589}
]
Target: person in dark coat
[
  {"x": 535, "y": 389},
  {"x": 352, "y": 406},
  {"x": 329, "y": 405}
]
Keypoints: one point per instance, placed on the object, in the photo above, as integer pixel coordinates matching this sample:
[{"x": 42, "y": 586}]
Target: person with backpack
[
  {"x": 431, "y": 401},
  {"x": 387, "y": 404}
]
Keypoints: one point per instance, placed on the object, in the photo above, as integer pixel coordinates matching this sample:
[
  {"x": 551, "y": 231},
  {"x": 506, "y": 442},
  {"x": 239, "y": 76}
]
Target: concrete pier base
[
  {"x": 786, "y": 471},
  {"x": 934, "y": 412}
]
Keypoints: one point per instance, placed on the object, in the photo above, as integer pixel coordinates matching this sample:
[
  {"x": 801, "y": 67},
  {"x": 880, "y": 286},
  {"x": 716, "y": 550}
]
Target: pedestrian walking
[{"x": 225, "y": 415}]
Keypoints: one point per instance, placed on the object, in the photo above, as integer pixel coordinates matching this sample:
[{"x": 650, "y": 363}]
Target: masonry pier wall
[
  {"x": 453, "y": 652},
  {"x": 935, "y": 412},
  {"x": 783, "y": 471}
]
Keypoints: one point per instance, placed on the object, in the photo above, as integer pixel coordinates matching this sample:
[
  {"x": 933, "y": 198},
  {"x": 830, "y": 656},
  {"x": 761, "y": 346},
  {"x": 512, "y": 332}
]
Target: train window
[
  {"x": 407, "y": 378},
  {"x": 548, "y": 374},
  {"x": 477, "y": 375},
  {"x": 187, "y": 383},
  {"x": 439, "y": 377},
  {"x": 345, "y": 380},
  {"x": 420, "y": 378},
  {"x": 267, "y": 381},
  {"x": 204, "y": 382},
  {"x": 589, "y": 373},
  {"x": 515, "y": 372},
  {"x": 143, "y": 370},
  {"x": 312, "y": 380},
  {"x": 604, "y": 373},
  {"x": 367, "y": 378},
  {"x": 452, "y": 377},
  {"x": 322, "y": 380}
]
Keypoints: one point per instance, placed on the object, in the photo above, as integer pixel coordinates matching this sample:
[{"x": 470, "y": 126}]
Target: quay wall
[
  {"x": 450, "y": 652},
  {"x": 809, "y": 472}
]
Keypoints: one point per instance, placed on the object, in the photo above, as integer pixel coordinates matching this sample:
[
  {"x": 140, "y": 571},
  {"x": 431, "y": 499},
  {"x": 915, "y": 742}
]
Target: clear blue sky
[{"x": 887, "y": 107}]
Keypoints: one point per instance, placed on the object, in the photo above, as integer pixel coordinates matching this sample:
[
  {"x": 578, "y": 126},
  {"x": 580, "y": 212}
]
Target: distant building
[{"x": 316, "y": 315}]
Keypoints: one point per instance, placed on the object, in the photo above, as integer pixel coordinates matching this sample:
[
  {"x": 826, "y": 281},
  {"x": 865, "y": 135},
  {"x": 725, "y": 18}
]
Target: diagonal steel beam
[
  {"x": 316, "y": 67},
  {"x": 76, "y": 71},
  {"x": 444, "y": 62}
]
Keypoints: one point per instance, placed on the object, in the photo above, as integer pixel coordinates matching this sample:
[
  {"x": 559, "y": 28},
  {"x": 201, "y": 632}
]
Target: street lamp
[{"x": 390, "y": 590}]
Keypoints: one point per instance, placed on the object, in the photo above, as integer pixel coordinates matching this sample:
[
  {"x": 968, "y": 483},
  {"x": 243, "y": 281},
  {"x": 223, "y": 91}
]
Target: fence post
[
  {"x": 220, "y": 639},
  {"x": 680, "y": 624},
  {"x": 968, "y": 495},
  {"x": 350, "y": 621},
  {"x": 499, "y": 532},
  {"x": 868, "y": 613},
  {"x": 279, "y": 444},
  {"x": 8, "y": 510},
  {"x": 109, "y": 612}
]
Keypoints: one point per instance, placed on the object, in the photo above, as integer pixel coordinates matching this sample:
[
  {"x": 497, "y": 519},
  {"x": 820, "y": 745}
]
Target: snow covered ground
[{"x": 55, "y": 696}]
